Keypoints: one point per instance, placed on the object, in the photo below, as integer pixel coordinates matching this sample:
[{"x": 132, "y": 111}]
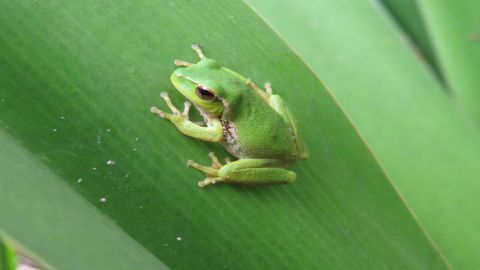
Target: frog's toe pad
[
  {"x": 209, "y": 171},
  {"x": 268, "y": 88},
  {"x": 158, "y": 112},
  {"x": 164, "y": 95},
  {"x": 209, "y": 181}
]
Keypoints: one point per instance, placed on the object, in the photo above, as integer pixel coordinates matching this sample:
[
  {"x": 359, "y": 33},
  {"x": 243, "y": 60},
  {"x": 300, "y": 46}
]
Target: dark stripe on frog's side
[{"x": 231, "y": 139}]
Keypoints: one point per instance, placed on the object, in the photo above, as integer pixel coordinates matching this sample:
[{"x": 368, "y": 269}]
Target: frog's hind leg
[
  {"x": 245, "y": 171},
  {"x": 211, "y": 172},
  {"x": 277, "y": 103},
  {"x": 263, "y": 94},
  {"x": 268, "y": 89},
  {"x": 256, "y": 171}
]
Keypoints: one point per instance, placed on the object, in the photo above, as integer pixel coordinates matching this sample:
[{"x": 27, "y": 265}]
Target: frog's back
[{"x": 258, "y": 131}]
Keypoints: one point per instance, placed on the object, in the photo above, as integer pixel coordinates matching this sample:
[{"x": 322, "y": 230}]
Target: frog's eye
[{"x": 204, "y": 93}]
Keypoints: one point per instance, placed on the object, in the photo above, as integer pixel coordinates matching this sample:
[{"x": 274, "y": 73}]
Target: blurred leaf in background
[
  {"x": 454, "y": 29},
  {"x": 407, "y": 17},
  {"x": 426, "y": 144},
  {"x": 8, "y": 258}
]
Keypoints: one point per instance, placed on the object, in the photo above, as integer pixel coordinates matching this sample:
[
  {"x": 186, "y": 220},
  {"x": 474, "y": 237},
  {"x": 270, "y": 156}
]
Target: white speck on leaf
[
  {"x": 79, "y": 180},
  {"x": 110, "y": 163},
  {"x": 103, "y": 199},
  {"x": 179, "y": 238}
]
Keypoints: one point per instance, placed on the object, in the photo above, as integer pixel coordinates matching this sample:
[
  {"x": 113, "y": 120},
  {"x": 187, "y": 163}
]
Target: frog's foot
[
  {"x": 268, "y": 89},
  {"x": 265, "y": 94},
  {"x": 211, "y": 172},
  {"x": 212, "y": 132},
  {"x": 198, "y": 49},
  {"x": 181, "y": 63},
  {"x": 176, "y": 114},
  {"x": 209, "y": 181}
]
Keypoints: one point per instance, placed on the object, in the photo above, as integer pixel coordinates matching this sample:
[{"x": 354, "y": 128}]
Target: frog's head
[{"x": 199, "y": 83}]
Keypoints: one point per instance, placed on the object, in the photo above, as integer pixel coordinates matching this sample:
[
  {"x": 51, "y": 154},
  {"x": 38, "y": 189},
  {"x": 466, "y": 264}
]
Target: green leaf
[
  {"x": 77, "y": 81},
  {"x": 406, "y": 15},
  {"x": 8, "y": 258},
  {"x": 426, "y": 146},
  {"x": 454, "y": 27}
]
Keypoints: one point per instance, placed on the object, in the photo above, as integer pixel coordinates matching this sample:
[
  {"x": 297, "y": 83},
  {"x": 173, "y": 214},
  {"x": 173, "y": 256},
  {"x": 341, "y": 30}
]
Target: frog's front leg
[
  {"x": 213, "y": 132},
  {"x": 245, "y": 171}
]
